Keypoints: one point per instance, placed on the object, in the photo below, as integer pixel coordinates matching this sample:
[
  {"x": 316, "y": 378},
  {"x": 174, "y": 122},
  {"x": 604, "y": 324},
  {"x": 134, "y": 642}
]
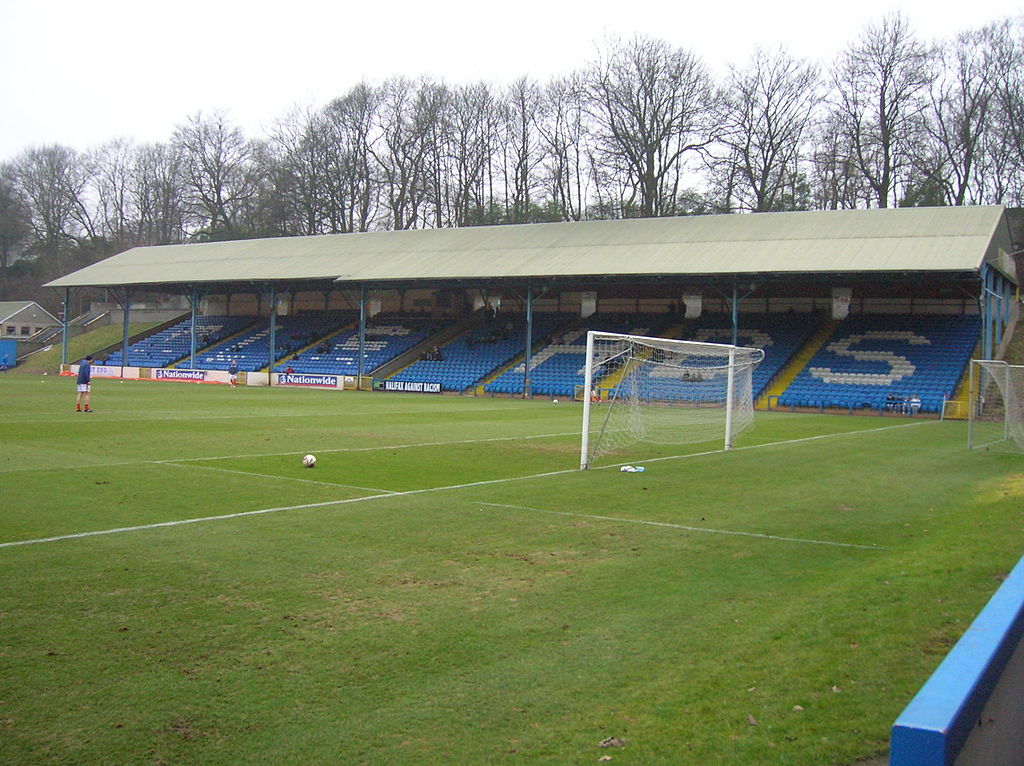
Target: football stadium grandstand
[
  {"x": 856, "y": 311},
  {"x": 875, "y": 312}
]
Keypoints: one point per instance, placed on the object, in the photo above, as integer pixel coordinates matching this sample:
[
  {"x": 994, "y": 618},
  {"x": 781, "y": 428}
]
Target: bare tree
[
  {"x": 158, "y": 195},
  {"x": 652, "y": 106},
  {"x": 835, "y": 182},
  {"x": 217, "y": 166},
  {"x": 472, "y": 132},
  {"x": 1005, "y": 150},
  {"x": 352, "y": 119},
  {"x": 313, "y": 169},
  {"x": 880, "y": 84},
  {"x": 766, "y": 117},
  {"x": 14, "y": 221},
  {"x": 521, "y": 149},
  {"x": 346, "y": 135},
  {"x": 407, "y": 119},
  {"x": 51, "y": 180},
  {"x": 960, "y": 96},
  {"x": 563, "y": 130},
  {"x": 112, "y": 182},
  {"x": 292, "y": 152}
]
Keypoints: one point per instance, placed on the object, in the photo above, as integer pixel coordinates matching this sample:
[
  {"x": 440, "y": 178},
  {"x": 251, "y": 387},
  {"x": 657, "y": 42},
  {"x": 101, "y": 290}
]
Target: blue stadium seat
[
  {"x": 476, "y": 354},
  {"x": 879, "y": 361},
  {"x": 173, "y": 344},
  {"x": 386, "y": 337}
]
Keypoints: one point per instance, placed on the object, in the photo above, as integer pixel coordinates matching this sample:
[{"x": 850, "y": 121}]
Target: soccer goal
[
  {"x": 996, "y": 414},
  {"x": 663, "y": 391}
]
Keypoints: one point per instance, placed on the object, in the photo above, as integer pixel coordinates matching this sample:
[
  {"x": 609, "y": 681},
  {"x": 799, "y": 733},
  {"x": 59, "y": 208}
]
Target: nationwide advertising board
[
  {"x": 308, "y": 379},
  {"x": 188, "y": 376}
]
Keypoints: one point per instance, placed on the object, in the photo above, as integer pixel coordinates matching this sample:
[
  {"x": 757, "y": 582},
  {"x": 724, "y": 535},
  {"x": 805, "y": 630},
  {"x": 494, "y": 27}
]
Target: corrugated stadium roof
[{"x": 948, "y": 239}]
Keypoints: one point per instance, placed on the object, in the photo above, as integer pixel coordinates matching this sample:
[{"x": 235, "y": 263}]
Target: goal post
[
  {"x": 663, "y": 391},
  {"x": 995, "y": 416}
]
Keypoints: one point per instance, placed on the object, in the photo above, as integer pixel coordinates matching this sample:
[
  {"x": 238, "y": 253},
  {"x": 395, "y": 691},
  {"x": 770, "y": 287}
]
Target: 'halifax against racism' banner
[{"x": 411, "y": 386}]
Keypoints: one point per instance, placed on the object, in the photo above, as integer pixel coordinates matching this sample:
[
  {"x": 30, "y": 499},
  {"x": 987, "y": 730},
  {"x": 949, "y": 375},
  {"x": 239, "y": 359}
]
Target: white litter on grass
[{"x": 632, "y": 469}]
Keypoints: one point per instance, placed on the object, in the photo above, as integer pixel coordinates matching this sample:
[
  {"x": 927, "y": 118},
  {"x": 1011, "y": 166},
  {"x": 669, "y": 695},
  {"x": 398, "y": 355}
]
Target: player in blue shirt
[{"x": 84, "y": 385}]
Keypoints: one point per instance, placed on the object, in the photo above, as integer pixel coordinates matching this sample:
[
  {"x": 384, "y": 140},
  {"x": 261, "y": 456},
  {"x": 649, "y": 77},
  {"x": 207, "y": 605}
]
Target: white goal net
[
  {"x": 663, "y": 391},
  {"x": 996, "y": 411}
]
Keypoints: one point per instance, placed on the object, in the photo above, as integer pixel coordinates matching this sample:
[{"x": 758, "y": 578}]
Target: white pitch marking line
[
  {"x": 121, "y": 416},
  {"x": 280, "y": 454},
  {"x": 773, "y": 444},
  {"x": 413, "y": 445},
  {"x": 301, "y": 507},
  {"x": 682, "y": 526},
  {"x": 410, "y": 492},
  {"x": 179, "y": 522},
  {"x": 276, "y": 477}
]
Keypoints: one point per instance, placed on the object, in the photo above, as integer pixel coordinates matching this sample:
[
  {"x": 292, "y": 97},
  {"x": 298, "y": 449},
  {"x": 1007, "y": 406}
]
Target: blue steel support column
[
  {"x": 993, "y": 312},
  {"x": 735, "y": 313},
  {"x": 527, "y": 390},
  {"x": 997, "y": 318},
  {"x": 127, "y": 307},
  {"x": 362, "y": 337},
  {"x": 273, "y": 333},
  {"x": 986, "y": 302},
  {"x": 64, "y": 326},
  {"x": 1007, "y": 301},
  {"x": 192, "y": 347}
]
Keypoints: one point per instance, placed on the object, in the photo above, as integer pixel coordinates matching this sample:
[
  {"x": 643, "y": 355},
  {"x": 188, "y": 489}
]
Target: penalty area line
[{"x": 705, "y": 530}]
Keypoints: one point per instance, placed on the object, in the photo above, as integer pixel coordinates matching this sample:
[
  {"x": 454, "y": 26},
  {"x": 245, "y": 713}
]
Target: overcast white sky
[{"x": 81, "y": 73}]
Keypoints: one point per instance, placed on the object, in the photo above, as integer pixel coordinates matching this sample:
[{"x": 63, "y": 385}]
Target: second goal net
[
  {"x": 996, "y": 408},
  {"x": 663, "y": 391}
]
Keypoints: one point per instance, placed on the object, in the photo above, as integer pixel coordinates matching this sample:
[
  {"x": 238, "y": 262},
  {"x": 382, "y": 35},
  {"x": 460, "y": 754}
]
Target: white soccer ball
[
  {"x": 554, "y": 401},
  {"x": 309, "y": 461}
]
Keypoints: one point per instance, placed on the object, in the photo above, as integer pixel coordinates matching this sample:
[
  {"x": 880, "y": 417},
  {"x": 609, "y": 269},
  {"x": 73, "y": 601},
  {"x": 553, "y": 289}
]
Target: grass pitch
[{"x": 444, "y": 587}]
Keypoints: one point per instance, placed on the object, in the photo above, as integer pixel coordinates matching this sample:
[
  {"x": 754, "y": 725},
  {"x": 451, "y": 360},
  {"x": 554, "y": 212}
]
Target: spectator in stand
[
  {"x": 915, "y": 404},
  {"x": 84, "y": 385}
]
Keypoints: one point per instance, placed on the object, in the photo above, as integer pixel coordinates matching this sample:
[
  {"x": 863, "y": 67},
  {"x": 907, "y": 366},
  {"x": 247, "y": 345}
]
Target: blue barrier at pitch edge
[
  {"x": 933, "y": 728},
  {"x": 9, "y": 349}
]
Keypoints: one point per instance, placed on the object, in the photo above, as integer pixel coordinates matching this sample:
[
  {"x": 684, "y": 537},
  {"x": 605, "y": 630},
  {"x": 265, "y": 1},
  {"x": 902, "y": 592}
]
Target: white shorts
[{"x": 83, "y": 388}]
